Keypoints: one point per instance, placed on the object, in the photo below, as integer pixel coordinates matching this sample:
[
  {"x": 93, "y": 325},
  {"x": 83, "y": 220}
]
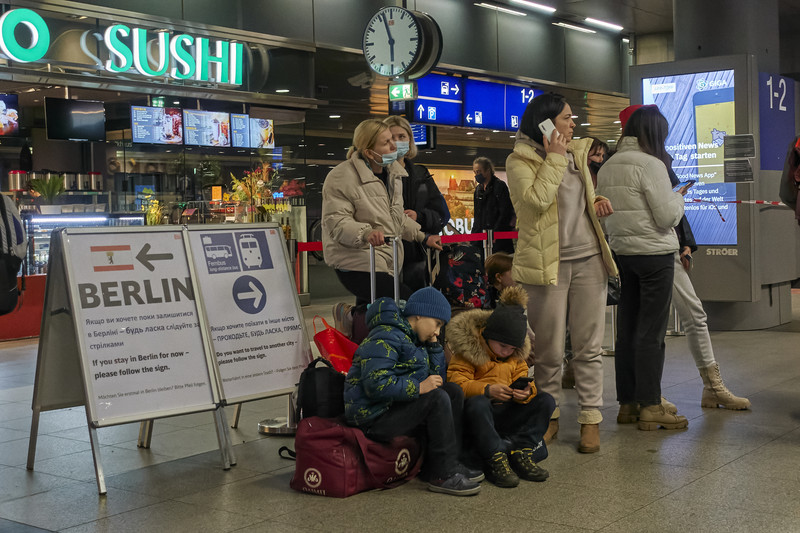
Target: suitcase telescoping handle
[{"x": 395, "y": 241}]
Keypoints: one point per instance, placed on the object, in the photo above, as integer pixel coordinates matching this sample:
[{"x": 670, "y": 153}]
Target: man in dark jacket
[{"x": 493, "y": 208}]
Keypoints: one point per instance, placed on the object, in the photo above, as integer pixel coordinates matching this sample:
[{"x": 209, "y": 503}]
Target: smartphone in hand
[
  {"x": 547, "y": 128},
  {"x": 521, "y": 383}
]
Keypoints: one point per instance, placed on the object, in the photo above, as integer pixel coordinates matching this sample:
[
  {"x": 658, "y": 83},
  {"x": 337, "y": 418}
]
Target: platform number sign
[{"x": 776, "y": 119}]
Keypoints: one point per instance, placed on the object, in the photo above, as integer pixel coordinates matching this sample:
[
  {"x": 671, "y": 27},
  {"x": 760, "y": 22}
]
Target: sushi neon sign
[{"x": 181, "y": 56}]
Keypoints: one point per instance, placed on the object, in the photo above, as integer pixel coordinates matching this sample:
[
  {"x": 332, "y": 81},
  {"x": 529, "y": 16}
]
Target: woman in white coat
[{"x": 641, "y": 234}]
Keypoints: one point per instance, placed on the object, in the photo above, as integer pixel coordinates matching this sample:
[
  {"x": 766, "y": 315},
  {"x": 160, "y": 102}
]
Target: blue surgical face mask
[
  {"x": 386, "y": 159},
  {"x": 402, "y": 148}
]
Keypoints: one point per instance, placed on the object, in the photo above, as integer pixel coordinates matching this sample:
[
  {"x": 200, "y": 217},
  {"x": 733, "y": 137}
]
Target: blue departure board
[
  {"x": 452, "y": 101},
  {"x": 484, "y": 104},
  {"x": 496, "y": 106},
  {"x": 439, "y": 100},
  {"x": 517, "y": 99}
]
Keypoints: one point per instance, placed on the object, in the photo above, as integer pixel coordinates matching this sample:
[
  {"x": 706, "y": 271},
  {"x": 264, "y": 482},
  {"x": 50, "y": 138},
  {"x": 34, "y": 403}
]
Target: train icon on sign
[{"x": 249, "y": 250}]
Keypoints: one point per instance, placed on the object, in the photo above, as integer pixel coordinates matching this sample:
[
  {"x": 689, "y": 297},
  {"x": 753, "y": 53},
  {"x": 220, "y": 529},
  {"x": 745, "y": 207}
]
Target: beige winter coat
[
  {"x": 355, "y": 202},
  {"x": 533, "y": 183}
]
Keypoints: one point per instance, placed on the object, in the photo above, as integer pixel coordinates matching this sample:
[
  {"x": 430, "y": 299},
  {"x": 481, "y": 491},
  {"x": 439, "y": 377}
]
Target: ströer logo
[
  {"x": 313, "y": 477},
  {"x": 402, "y": 462}
]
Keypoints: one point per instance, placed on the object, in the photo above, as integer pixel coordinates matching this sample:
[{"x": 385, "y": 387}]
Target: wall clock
[{"x": 392, "y": 42}]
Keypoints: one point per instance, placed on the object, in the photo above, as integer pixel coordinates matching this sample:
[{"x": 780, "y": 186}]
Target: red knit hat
[{"x": 626, "y": 113}]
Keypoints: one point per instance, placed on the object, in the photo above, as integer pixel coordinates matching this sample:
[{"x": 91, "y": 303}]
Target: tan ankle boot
[
  {"x": 669, "y": 407},
  {"x": 628, "y": 413},
  {"x": 654, "y": 416},
  {"x": 552, "y": 431},
  {"x": 590, "y": 438},
  {"x": 716, "y": 394}
]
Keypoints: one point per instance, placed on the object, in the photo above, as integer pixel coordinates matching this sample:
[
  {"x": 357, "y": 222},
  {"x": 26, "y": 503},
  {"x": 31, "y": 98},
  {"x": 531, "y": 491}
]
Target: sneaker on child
[{"x": 455, "y": 485}]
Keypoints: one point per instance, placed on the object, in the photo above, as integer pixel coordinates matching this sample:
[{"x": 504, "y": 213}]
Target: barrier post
[{"x": 487, "y": 244}]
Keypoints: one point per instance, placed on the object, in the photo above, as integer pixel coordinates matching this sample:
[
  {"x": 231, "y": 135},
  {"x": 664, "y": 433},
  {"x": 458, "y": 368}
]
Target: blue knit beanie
[{"x": 428, "y": 302}]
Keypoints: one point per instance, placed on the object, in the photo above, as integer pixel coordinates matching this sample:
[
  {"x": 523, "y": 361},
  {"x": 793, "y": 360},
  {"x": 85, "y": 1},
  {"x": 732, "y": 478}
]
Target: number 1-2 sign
[{"x": 776, "y": 118}]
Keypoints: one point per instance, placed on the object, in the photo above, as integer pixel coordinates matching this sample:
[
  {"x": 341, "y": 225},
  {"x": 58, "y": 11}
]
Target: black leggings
[{"x": 358, "y": 284}]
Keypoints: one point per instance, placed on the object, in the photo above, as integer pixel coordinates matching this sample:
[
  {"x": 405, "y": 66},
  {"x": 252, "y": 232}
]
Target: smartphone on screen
[
  {"x": 714, "y": 119},
  {"x": 547, "y": 128}
]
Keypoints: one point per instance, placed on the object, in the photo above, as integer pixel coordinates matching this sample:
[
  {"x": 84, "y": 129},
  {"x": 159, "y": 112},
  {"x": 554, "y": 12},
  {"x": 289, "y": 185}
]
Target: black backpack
[{"x": 320, "y": 391}]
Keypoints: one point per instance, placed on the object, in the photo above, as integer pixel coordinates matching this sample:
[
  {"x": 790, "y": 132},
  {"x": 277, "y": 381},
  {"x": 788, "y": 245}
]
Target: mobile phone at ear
[{"x": 547, "y": 128}]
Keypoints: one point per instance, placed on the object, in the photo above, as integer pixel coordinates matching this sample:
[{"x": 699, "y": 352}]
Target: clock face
[{"x": 392, "y": 41}]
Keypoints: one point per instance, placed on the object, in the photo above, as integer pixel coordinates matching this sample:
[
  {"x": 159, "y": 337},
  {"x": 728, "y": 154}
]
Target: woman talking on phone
[{"x": 562, "y": 259}]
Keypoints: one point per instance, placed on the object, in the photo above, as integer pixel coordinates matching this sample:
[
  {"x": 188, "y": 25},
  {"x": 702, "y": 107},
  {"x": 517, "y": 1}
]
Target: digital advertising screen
[
  {"x": 262, "y": 133},
  {"x": 206, "y": 128},
  {"x": 240, "y": 130},
  {"x": 9, "y": 115},
  {"x": 701, "y": 112},
  {"x": 74, "y": 120},
  {"x": 156, "y": 125}
]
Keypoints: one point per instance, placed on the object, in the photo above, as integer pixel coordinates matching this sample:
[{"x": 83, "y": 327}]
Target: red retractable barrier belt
[{"x": 446, "y": 239}]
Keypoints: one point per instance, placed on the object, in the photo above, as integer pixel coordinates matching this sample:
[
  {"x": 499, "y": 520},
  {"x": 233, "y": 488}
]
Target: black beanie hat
[{"x": 507, "y": 324}]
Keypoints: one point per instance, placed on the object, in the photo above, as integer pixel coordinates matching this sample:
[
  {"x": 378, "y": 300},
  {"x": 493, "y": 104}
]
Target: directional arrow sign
[
  {"x": 144, "y": 258},
  {"x": 249, "y": 294},
  {"x": 402, "y": 91},
  {"x": 421, "y": 111},
  {"x": 254, "y": 294}
]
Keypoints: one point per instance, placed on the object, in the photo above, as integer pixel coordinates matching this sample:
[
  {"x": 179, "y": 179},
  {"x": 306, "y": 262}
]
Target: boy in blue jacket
[{"x": 396, "y": 386}]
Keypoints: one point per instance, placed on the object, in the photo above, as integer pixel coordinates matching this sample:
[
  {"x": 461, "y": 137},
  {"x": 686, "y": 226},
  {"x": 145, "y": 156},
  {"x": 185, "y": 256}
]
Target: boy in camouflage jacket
[{"x": 395, "y": 386}]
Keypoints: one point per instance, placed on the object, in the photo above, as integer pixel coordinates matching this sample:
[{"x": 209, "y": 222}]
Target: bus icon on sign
[
  {"x": 218, "y": 251},
  {"x": 249, "y": 250}
]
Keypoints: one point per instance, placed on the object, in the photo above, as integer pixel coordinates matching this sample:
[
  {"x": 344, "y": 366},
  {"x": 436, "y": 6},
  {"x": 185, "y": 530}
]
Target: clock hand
[{"x": 391, "y": 41}]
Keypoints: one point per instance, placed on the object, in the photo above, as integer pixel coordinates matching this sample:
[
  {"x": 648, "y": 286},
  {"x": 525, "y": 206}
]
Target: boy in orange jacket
[{"x": 505, "y": 419}]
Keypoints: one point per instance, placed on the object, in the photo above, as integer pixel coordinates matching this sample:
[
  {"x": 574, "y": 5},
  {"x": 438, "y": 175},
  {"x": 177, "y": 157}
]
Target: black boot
[{"x": 499, "y": 472}]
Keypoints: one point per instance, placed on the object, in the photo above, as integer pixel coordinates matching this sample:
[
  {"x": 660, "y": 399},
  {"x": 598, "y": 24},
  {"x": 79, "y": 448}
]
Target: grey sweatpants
[
  {"x": 581, "y": 288},
  {"x": 693, "y": 317}
]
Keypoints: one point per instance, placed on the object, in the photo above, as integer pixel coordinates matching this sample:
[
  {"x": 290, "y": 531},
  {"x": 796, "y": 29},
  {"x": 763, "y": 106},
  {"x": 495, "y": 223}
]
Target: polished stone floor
[{"x": 728, "y": 472}]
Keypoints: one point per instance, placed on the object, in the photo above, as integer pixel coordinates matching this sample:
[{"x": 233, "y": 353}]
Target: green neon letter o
[{"x": 40, "y": 34}]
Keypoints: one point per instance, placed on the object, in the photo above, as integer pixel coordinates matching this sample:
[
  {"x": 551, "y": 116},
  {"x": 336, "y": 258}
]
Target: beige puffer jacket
[
  {"x": 533, "y": 183},
  {"x": 355, "y": 202}
]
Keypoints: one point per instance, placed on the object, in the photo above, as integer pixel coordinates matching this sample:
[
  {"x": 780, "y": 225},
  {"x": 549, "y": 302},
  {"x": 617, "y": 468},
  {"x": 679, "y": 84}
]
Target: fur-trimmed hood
[{"x": 464, "y": 333}]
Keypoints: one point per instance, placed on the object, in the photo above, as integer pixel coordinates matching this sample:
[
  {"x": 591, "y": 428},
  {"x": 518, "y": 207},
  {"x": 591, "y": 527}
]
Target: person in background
[
  {"x": 598, "y": 153},
  {"x": 504, "y": 417},
  {"x": 362, "y": 203},
  {"x": 422, "y": 202},
  {"x": 498, "y": 272},
  {"x": 562, "y": 257},
  {"x": 641, "y": 233},
  {"x": 493, "y": 207},
  {"x": 396, "y": 386}
]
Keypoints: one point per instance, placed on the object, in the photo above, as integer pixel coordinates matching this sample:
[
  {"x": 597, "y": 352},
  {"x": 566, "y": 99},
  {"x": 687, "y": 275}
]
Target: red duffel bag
[{"x": 337, "y": 460}]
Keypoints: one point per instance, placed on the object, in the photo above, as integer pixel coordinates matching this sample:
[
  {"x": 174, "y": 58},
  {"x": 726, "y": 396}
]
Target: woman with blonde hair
[
  {"x": 362, "y": 203},
  {"x": 422, "y": 201}
]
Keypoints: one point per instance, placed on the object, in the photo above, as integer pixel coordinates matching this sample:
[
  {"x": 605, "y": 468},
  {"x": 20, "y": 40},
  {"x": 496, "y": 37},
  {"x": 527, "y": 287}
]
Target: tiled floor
[{"x": 728, "y": 472}]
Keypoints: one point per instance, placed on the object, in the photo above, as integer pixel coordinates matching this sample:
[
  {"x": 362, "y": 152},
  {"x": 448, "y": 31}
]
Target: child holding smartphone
[{"x": 504, "y": 417}]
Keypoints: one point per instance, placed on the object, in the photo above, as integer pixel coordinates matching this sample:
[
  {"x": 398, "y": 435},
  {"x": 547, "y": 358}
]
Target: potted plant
[{"x": 48, "y": 189}]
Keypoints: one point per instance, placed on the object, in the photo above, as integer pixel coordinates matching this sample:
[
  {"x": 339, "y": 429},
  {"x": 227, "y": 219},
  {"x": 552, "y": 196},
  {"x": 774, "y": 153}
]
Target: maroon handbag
[{"x": 337, "y": 460}]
